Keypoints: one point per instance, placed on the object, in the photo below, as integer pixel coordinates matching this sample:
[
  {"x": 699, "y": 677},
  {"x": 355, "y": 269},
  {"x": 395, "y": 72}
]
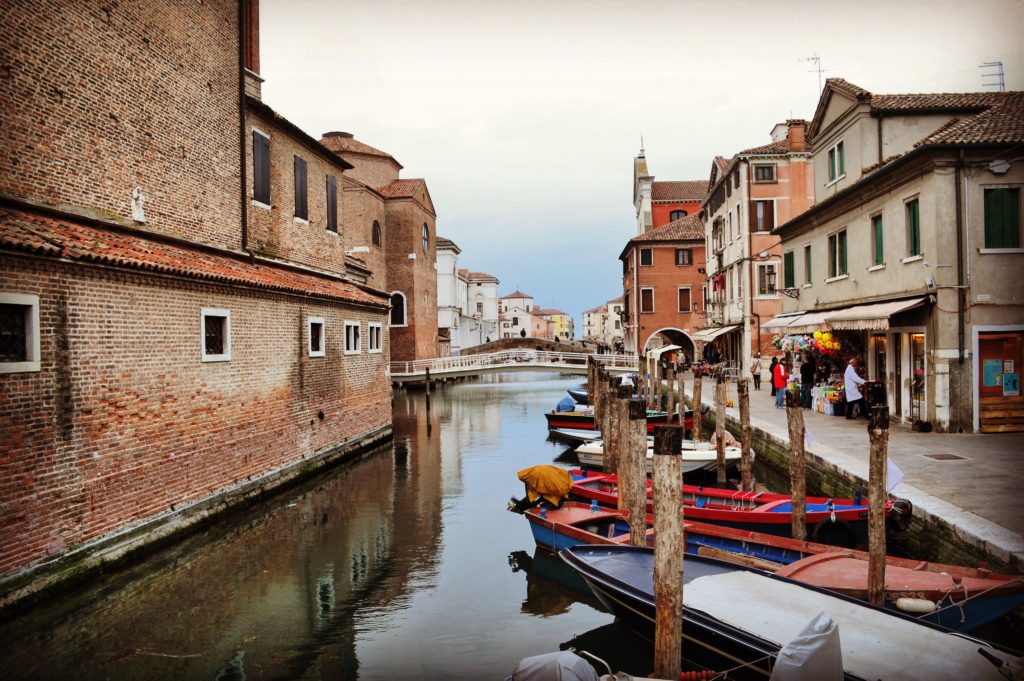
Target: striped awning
[
  {"x": 708, "y": 335},
  {"x": 874, "y": 316}
]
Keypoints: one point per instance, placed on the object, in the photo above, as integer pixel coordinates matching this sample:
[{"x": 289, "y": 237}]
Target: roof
[
  {"x": 463, "y": 272},
  {"x": 780, "y": 147},
  {"x": 599, "y": 308},
  {"x": 684, "y": 190},
  {"x": 73, "y": 240},
  {"x": 341, "y": 142},
  {"x": 261, "y": 108},
  {"x": 401, "y": 189},
  {"x": 550, "y": 312},
  {"x": 687, "y": 228},
  {"x": 443, "y": 243},
  {"x": 482, "y": 275},
  {"x": 620, "y": 299},
  {"x": 517, "y": 294}
]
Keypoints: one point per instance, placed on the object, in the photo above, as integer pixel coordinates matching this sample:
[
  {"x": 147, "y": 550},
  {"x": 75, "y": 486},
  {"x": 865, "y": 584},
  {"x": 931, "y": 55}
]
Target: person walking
[
  {"x": 779, "y": 379},
  {"x": 853, "y": 396},
  {"x": 755, "y": 370},
  {"x": 771, "y": 373},
  {"x": 807, "y": 369}
]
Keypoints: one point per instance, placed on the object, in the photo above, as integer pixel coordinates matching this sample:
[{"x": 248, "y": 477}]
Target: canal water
[{"x": 404, "y": 564}]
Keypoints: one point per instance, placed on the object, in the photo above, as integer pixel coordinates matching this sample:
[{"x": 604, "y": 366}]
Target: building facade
[
  {"x": 179, "y": 323},
  {"x": 748, "y": 196},
  {"x": 909, "y": 250},
  {"x": 663, "y": 281},
  {"x": 658, "y": 203},
  {"x": 467, "y": 302}
]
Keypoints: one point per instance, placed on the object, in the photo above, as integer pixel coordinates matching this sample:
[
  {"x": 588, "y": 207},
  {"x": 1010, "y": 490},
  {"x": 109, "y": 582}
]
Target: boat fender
[
  {"x": 918, "y": 606},
  {"x": 835, "y": 531}
]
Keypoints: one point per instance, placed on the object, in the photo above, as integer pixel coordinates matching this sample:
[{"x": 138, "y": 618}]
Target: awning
[
  {"x": 782, "y": 321},
  {"x": 870, "y": 317},
  {"x": 810, "y": 322},
  {"x": 656, "y": 353},
  {"x": 708, "y": 335}
]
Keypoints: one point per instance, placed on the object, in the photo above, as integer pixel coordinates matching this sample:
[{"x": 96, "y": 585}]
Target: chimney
[
  {"x": 339, "y": 133},
  {"x": 796, "y": 136}
]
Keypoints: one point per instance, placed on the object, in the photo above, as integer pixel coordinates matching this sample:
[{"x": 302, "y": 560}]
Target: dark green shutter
[
  {"x": 260, "y": 168},
  {"x": 807, "y": 264},
  {"x": 842, "y": 252},
  {"x": 332, "y": 204},
  {"x": 879, "y": 236},
  {"x": 842, "y": 160},
  {"x": 301, "y": 205},
  {"x": 1002, "y": 218},
  {"x": 788, "y": 274}
]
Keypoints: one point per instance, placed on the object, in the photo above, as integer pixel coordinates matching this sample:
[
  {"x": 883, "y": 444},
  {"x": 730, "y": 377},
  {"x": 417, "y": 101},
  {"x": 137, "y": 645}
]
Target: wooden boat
[
  {"x": 841, "y": 522},
  {"x": 576, "y": 434},
  {"x": 739, "y": 618},
  {"x": 953, "y": 596},
  {"x": 583, "y": 419},
  {"x": 579, "y": 393},
  {"x": 695, "y": 457}
]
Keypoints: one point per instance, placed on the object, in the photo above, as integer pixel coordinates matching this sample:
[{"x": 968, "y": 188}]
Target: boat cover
[
  {"x": 551, "y": 482},
  {"x": 814, "y": 655},
  {"x": 566, "y": 404},
  {"x": 560, "y": 666},
  {"x": 875, "y": 644}
]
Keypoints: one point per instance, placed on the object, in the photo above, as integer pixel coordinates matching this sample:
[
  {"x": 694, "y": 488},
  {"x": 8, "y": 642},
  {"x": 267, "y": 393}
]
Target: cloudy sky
[{"x": 524, "y": 117}]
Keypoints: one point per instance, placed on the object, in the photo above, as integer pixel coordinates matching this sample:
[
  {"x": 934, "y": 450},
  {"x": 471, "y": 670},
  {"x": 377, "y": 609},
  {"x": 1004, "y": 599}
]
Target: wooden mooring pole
[
  {"x": 670, "y": 380},
  {"x": 797, "y": 464},
  {"x": 878, "y": 434},
  {"x": 591, "y": 377},
  {"x": 427, "y": 382},
  {"x": 743, "y": 394},
  {"x": 720, "y": 429},
  {"x": 682, "y": 399},
  {"x": 633, "y": 471},
  {"x": 611, "y": 431},
  {"x": 668, "y": 551},
  {"x": 697, "y": 404}
]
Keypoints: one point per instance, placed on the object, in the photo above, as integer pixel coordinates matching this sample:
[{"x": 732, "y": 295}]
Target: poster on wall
[
  {"x": 1007, "y": 366},
  {"x": 1011, "y": 385},
  {"x": 992, "y": 371}
]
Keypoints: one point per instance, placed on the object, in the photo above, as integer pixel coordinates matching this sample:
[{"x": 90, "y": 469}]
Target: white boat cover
[
  {"x": 875, "y": 645},
  {"x": 814, "y": 655},
  {"x": 559, "y": 666}
]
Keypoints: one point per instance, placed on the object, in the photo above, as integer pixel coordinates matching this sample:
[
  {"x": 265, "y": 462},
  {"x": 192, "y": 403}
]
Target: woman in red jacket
[{"x": 779, "y": 379}]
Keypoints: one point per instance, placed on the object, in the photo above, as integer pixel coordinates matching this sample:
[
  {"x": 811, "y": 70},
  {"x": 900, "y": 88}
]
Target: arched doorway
[{"x": 670, "y": 336}]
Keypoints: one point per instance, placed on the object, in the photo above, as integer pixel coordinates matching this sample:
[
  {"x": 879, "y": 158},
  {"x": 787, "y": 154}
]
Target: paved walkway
[{"x": 979, "y": 492}]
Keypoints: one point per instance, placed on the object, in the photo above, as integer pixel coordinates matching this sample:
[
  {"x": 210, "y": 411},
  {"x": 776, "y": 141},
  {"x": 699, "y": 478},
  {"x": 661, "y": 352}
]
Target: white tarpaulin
[{"x": 814, "y": 655}]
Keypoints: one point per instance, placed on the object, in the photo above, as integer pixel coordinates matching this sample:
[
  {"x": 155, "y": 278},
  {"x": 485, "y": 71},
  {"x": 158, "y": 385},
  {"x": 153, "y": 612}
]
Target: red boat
[
  {"x": 960, "y": 598},
  {"x": 840, "y": 522}
]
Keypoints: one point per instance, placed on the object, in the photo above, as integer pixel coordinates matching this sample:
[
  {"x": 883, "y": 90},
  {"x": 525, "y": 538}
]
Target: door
[
  {"x": 896, "y": 384},
  {"x": 918, "y": 378}
]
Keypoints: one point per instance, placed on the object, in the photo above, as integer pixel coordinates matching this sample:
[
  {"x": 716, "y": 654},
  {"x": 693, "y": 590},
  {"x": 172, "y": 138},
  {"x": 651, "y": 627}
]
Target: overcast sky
[{"x": 524, "y": 117}]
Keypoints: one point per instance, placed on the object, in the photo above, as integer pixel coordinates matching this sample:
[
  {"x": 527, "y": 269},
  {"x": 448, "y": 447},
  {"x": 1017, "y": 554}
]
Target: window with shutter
[
  {"x": 1002, "y": 217},
  {"x": 788, "y": 273},
  {"x": 260, "y": 167},
  {"x": 684, "y": 299},
  {"x": 807, "y": 264},
  {"x": 647, "y": 300},
  {"x": 301, "y": 205},
  {"x": 877, "y": 240},
  {"x": 913, "y": 212},
  {"x": 332, "y": 204}
]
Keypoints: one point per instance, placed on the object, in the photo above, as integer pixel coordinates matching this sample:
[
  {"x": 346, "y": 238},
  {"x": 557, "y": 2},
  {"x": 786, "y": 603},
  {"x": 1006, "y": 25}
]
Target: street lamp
[{"x": 771, "y": 277}]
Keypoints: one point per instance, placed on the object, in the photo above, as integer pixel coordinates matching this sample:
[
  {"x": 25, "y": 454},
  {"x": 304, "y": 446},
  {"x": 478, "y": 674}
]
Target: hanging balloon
[{"x": 817, "y": 335}]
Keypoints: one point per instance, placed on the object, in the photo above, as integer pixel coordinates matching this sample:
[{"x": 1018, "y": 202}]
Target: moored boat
[
  {"x": 953, "y": 596},
  {"x": 842, "y": 522},
  {"x": 582, "y": 418},
  {"x": 740, "y": 618},
  {"x": 696, "y": 456},
  {"x": 579, "y": 393}
]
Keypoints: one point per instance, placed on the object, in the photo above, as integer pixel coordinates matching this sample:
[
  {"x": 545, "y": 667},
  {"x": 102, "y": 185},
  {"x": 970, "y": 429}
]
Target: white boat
[
  {"x": 696, "y": 456},
  {"x": 577, "y": 434}
]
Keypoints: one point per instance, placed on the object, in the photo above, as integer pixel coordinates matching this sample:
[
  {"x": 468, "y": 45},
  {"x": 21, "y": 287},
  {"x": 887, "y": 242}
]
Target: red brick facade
[{"x": 123, "y": 425}]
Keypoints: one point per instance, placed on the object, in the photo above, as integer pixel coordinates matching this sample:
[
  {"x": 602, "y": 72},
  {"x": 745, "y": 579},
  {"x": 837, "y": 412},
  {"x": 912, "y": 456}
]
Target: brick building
[
  {"x": 394, "y": 222},
  {"x": 659, "y": 203},
  {"x": 662, "y": 282},
  {"x": 180, "y": 324}
]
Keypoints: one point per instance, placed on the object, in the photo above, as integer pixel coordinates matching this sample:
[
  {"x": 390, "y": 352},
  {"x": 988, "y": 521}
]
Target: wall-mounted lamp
[{"x": 771, "y": 277}]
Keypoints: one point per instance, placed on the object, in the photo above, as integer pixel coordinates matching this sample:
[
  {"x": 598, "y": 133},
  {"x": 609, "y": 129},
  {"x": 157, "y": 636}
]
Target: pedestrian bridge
[{"x": 508, "y": 360}]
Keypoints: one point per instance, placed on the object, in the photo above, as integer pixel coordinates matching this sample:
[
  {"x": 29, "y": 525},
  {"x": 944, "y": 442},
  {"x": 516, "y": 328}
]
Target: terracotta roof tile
[
  {"x": 517, "y": 294},
  {"x": 686, "y": 190},
  {"x": 780, "y": 147},
  {"x": 40, "y": 234},
  {"x": 400, "y": 189},
  {"x": 722, "y": 162},
  {"x": 688, "y": 228},
  {"x": 482, "y": 275},
  {"x": 441, "y": 242},
  {"x": 340, "y": 142},
  {"x": 848, "y": 88}
]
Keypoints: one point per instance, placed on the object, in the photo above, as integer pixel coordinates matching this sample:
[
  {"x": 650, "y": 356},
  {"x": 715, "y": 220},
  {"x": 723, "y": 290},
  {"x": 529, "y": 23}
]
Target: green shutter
[
  {"x": 916, "y": 226},
  {"x": 1002, "y": 218},
  {"x": 832, "y": 256},
  {"x": 832, "y": 163},
  {"x": 842, "y": 251},
  {"x": 807, "y": 264},
  {"x": 788, "y": 275},
  {"x": 879, "y": 236},
  {"x": 842, "y": 160}
]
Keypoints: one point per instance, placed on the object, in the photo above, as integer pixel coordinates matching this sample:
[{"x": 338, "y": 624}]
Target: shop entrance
[
  {"x": 999, "y": 368},
  {"x": 918, "y": 377}
]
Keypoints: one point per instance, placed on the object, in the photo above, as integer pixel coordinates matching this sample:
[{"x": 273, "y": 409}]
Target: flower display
[{"x": 820, "y": 343}]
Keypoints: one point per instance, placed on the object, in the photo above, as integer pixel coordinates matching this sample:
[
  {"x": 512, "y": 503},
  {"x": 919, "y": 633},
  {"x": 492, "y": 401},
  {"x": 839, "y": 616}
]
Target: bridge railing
[{"x": 507, "y": 358}]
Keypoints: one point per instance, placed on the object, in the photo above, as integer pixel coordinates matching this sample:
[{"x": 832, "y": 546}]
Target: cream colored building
[{"x": 912, "y": 249}]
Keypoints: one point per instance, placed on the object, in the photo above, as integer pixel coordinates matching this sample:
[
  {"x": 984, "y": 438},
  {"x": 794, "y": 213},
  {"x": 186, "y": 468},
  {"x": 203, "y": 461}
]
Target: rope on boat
[
  {"x": 725, "y": 673},
  {"x": 959, "y": 604}
]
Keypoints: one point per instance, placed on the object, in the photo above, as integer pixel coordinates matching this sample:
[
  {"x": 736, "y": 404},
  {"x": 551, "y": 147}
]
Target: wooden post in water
[
  {"x": 601, "y": 400},
  {"x": 611, "y": 431},
  {"x": 668, "y": 551},
  {"x": 670, "y": 380},
  {"x": 682, "y": 399},
  {"x": 591, "y": 377},
  {"x": 698, "y": 404},
  {"x": 878, "y": 434},
  {"x": 743, "y": 394},
  {"x": 633, "y": 471},
  {"x": 720, "y": 429},
  {"x": 797, "y": 464},
  {"x": 427, "y": 382}
]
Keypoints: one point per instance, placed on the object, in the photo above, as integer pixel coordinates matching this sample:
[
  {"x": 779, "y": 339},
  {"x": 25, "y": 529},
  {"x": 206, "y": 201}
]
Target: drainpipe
[
  {"x": 958, "y": 175},
  {"x": 636, "y": 300},
  {"x": 241, "y": 124}
]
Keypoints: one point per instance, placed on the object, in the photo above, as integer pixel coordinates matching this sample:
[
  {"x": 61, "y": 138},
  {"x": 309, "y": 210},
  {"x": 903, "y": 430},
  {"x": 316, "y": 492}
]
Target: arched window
[
  {"x": 398, "y": 309},
  {"x": 676, "y": 214},
  {"x": 426, "y": 239},
  {"x": 376, "y": 233}
]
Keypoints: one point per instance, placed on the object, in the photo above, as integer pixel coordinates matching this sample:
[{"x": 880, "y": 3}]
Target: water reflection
[{"x": 395, "y": 566}]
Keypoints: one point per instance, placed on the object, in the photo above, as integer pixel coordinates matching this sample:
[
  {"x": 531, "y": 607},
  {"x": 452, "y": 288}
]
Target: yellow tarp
[{"x": 551, "y": 482}]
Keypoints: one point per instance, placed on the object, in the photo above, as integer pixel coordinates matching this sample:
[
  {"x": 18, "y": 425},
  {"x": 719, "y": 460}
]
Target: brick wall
[
  {"x": 417, "y": 278},
  {"x": 275, "y": 232},
  {"x": 124, "y": 422},
  {"x": 361, "y": 207},
  {"x": 99, "y": 98},
  {"x": 372, "y": 170}
]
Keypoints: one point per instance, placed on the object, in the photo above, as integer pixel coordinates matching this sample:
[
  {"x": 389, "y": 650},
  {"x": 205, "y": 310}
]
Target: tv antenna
[
  {"x": 999, "y": 80},
  {"x": 817, "y": 67}
]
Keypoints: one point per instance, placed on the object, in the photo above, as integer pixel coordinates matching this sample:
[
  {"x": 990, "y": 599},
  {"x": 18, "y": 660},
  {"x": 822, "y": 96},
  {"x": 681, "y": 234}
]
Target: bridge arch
[{"x": 669, "y": 335}]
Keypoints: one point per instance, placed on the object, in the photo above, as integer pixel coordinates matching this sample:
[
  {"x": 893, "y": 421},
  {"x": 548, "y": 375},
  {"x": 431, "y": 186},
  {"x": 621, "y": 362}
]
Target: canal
[{"x": 404, "y": 564}]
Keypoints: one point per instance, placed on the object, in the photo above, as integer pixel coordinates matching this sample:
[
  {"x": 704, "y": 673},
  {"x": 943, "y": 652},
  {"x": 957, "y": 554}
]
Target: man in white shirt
[{"x": 853, "y": 395}]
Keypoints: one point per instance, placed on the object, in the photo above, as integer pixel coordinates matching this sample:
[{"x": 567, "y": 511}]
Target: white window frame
[
  {"x": 641, "y": 301},
  {"x": 359, "y": 338},
  {"x": 689, "y": 256},
  {"x": 774, "y": 168},
  {"x": 215, "y": 312},
  {"x": 831, "y": 165},
  {"x": 310, "y": 322},
  {"x": 32, "y": 353},
  {"x": 690, "y": 289},
  {"x": 778, "y": 274},
  {"x": 374, "y": 329},
  {"x": 405, "y": 311}
]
